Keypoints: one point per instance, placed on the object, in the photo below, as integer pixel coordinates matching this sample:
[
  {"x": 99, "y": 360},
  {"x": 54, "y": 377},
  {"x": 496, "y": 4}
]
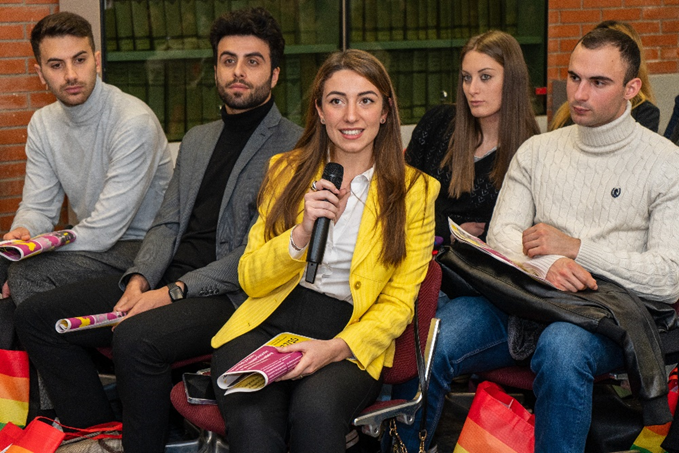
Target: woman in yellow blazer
[{"x": 376, "y": 256}]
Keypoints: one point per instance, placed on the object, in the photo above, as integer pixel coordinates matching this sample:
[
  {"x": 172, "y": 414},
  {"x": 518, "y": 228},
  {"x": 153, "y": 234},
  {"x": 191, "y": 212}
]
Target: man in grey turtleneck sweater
[{"x": 104, "y": 149}]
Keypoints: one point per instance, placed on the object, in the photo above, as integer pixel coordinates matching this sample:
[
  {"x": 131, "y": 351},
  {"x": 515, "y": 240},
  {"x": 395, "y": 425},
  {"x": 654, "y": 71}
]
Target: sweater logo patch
[{"x": 615, "y": 193}]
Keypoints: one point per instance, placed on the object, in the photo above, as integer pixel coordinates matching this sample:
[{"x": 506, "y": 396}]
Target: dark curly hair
[{"x": 249, "y": 21}]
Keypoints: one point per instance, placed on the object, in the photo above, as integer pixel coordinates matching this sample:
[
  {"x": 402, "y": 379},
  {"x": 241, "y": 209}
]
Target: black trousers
[
  {"x": 312, "y": 414},
  {"x": 144, "y": 347}
]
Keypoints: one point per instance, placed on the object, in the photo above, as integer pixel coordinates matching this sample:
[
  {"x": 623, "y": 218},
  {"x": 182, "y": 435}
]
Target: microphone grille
[{"x": 334, "y": 173}]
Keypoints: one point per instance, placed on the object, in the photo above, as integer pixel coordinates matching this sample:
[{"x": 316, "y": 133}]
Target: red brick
[
  {"x": 671, "y": 53},
  {"x": 553, "y": 17},
  {"x": 15, "y": 136},
  {"x": 642, "y": 2},
  {"x": 13, "y": 66},
  {"x": 13, "y": 84},
  {"x": 670, "y": 26},
  {"x": 13, "y": 101},
  {"x": 11, "y": 187},
  {"x": 552, "y": 73},
  {"x": 28, "y": 2},
  {"x": 564, "y": 4},
  {"x": 666, "y": 12},
  {"x": 662, "y": 67},
  {"x": 12, "y": 170},
  {"x": 652, "y": 26},
  {"x": 580, "y": 16},
  {"x": 11, "y": 31},
  {"x": 10, "y": 153},
  {"x": 13, "y": 119},
  {"x": 624, "y": 14},
  {"x": 671, "y": 2},
  {"x": 659, "y": 40},
  {"x": 563, "y": 31},
  {"x": 23, "y": 13},
  {"x": 601, "y": 3},
  {"x": 9, "y": 204},
  {"x": 567, "y": 45},
  {"x": 553, "y": 46},
  {"x": 651, "y": 54},
  {"x": 561, "y": 59},
  {"x": 17, "y": 49},
  {"x": 41, "y": 99},
  {"x": 6, "y": 223}
]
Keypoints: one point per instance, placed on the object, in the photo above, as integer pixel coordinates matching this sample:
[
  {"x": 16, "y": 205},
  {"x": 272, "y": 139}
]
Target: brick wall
[
  {"x": 20, "y": 95},
  {"x": 656, "y": 21}
]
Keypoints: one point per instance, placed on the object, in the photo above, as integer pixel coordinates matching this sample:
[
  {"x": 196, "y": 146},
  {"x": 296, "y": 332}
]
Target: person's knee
[
  {"x": 131, "y": 344},
  {"x": 563, "y": 349},
  {"x": 468, "y": 325}
]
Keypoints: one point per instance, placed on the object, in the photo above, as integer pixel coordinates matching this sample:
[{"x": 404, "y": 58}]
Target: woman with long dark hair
[{"x": 468, "y": 146}]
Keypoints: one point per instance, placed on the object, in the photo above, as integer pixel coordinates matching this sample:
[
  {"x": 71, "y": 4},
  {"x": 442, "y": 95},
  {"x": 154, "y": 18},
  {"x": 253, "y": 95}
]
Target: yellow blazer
[{"x": 383, "y": 297}]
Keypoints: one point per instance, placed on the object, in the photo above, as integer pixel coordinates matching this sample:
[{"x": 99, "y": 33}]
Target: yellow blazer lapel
[{"x": 365, "y": 242}]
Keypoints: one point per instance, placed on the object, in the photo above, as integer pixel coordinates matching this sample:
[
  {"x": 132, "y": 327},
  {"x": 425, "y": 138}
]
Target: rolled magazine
[
  {"x": 89, "y": 322},
  {"x": 16, "y": 249}
]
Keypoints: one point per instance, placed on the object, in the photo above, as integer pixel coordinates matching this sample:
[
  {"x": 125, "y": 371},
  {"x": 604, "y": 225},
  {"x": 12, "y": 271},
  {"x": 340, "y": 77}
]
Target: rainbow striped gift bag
[
  {"x": 496, "y": 423},
  {"x": 650, "y": 438},
  {"x": 14, "y": 387}
]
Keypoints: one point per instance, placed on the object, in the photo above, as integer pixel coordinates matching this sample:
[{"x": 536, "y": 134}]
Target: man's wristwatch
[{"x": 176, "y": 292}]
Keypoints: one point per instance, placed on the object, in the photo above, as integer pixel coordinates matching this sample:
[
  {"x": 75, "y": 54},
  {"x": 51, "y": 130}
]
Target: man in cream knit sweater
[
  {"x": 104, "y": 149},
  {"x": 600, "y": 197}
]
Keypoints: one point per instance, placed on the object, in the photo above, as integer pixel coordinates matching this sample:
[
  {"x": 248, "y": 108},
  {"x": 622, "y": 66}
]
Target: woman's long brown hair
[
  {"x": 311, "y": 153},
  {"x": 517, "y": 120}
]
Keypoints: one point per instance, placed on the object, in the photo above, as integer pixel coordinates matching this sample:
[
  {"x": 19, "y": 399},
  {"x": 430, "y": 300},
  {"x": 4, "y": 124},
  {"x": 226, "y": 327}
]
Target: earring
[
  {"x": 383, "y": 120},
  {"x": 322, "y": 121}
]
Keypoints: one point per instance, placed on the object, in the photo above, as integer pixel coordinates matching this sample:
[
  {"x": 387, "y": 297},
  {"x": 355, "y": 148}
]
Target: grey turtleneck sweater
[
  {"x": 615, "y": 187},
  {"x": 109, "y": 155}
]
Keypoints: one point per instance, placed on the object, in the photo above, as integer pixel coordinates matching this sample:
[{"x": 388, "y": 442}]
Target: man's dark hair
[
  {"x": 58, "y": 25},
  {"x": 629, "y": 51},
  {"x": 249, "y": 21}
]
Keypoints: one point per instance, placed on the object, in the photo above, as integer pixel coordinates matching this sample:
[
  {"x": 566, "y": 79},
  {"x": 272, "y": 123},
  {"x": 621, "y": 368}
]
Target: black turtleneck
[{"x": 198, "y": 244}]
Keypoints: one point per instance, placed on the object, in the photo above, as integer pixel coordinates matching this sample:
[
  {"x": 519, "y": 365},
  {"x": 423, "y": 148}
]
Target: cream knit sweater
[{"x": 615, "y": 187}]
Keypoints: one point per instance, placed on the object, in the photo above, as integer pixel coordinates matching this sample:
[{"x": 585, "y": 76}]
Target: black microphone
[{"x": 334, "y": 173}]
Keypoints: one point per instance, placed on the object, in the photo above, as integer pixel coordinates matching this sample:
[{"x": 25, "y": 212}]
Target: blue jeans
[{"x": 473, "y": 339}]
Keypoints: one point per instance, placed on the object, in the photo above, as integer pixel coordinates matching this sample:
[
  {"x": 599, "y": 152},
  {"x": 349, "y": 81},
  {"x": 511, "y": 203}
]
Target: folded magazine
[
  {"x": 89, "y": 322},
  {"x": 466, "y": 238},
  {"x": 263, "y": 366},
  {"x": 16, "y": 249}
]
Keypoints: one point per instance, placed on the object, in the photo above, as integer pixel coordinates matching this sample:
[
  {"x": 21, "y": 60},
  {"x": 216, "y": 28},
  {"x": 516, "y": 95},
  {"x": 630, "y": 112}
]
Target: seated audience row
[{"x": 223, "y": 266}]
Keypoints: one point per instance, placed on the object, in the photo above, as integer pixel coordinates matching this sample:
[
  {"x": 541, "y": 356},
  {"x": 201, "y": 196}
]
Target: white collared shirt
[{"x": 332, "y": 277}]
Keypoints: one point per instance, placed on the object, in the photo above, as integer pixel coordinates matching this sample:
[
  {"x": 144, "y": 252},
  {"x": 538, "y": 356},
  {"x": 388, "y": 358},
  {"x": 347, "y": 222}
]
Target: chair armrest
[{"x": 404, "y": 411}]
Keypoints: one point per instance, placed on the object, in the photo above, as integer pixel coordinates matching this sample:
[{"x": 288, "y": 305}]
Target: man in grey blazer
[{"x": 183, "y": 285}]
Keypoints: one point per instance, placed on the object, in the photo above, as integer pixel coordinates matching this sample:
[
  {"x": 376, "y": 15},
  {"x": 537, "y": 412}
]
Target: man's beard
[{"x": 253, "y": 99}]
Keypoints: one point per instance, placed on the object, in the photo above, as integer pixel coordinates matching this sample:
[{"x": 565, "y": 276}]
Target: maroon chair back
[{"x": 405, "y": 360}]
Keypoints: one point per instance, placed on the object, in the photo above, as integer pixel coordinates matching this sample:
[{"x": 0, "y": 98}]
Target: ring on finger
[{"x": 313, "y": 186}]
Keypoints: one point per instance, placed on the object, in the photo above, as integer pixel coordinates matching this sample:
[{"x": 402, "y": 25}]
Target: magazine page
[
  {"x": 15, "y": 249},
  {"x": 464, "y": 237},
  {"x": 89, "y": 322},
  {"x": 263, "y": 366}
]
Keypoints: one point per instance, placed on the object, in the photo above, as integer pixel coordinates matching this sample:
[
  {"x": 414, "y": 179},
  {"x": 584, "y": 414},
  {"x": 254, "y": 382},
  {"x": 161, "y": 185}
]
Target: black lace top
[{"x": 426, "y": 150}]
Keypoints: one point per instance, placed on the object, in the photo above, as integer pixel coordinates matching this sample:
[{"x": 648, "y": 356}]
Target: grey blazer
[{"x": 238, "y": 211}]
